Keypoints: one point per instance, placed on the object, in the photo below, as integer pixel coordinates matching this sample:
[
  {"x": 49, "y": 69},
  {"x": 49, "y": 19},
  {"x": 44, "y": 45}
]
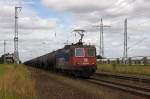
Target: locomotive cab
[
  {"x": 83, "y": 59},
  {"x": 84, "y": 56}
]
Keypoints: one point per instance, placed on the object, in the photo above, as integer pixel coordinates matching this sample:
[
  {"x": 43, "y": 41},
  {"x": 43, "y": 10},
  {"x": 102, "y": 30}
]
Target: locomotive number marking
[{"x": 85, "y": 61}]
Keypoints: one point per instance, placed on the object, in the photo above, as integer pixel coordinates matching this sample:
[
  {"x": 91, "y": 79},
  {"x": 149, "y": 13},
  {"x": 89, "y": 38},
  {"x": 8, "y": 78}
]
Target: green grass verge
[
  {"x": 126, "y": 69},
  {"x": 16, "y": 82},
  {"x": 2, "y": 69}
]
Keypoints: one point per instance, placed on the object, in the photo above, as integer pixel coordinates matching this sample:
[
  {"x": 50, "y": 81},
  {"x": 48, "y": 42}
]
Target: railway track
[
  {"x": 126, "y": 77},
  {"x": 134, "y": 89}
]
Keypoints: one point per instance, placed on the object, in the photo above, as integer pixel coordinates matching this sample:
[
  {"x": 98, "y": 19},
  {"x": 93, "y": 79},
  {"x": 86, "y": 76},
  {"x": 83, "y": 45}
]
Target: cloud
[
  {"x": 37, "y": 34},
  {"x": 87, "y": 14},
  {"x": 77, "y": 6},
  {"x": 37, "y": 23},
  {"x": 31, "y": 26},
  {"x": 25, "y": 21}
]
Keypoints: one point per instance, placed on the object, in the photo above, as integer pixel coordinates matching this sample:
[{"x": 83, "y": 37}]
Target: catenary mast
[{"x": 16, "y": 52}]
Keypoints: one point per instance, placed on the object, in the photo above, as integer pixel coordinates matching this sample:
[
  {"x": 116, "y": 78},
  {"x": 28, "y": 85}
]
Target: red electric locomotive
[
  {"x": 77, "y": 59},
  {"x": 83, "y": 60}
]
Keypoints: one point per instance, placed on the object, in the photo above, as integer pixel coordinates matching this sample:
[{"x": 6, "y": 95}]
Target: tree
[{"x": 99, "y": 57}]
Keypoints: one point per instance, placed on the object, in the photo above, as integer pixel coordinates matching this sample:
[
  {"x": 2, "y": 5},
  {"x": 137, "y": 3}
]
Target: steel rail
[
  {"x": 137, "y": 90},
  {"x": 125, "y": 77}
]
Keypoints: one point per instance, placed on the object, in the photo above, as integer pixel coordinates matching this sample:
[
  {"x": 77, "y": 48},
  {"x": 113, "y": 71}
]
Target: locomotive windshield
[
  {"x": 91, "y": 52},
  {"x": 79, "y": 52}
]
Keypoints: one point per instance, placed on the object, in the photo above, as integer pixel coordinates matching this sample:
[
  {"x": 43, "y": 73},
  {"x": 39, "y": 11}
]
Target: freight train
[{"x": 77, "y": 59}]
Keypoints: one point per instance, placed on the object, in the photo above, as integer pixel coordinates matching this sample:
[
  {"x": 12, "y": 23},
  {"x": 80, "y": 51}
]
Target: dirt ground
[{"x": 54, "y": 86}]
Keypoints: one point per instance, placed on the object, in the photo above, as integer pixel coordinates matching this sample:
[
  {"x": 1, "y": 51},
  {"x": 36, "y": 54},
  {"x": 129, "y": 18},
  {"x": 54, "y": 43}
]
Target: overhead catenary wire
[{"x": 137, "y": 43}]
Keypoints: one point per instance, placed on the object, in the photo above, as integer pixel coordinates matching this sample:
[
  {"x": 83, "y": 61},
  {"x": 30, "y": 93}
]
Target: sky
[{"x": 47, "y": 25}]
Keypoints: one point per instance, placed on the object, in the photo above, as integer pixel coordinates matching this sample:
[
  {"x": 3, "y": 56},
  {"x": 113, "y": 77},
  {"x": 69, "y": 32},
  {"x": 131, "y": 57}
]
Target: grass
[
  {"x": 2, "y": 70},
  {"x": 16, "y": 83},
  {"x": 126, "y": 69}
]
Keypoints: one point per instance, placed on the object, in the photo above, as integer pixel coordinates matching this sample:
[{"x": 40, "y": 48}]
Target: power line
[{"x": 135, "y": 44}]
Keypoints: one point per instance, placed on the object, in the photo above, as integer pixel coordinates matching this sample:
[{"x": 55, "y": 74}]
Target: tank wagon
[{"x": 76, "y": 59}]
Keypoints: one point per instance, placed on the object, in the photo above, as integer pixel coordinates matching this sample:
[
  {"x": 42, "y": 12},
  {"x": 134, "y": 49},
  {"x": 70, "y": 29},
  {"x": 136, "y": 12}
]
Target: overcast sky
[{"x": 41, "y": 19}]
